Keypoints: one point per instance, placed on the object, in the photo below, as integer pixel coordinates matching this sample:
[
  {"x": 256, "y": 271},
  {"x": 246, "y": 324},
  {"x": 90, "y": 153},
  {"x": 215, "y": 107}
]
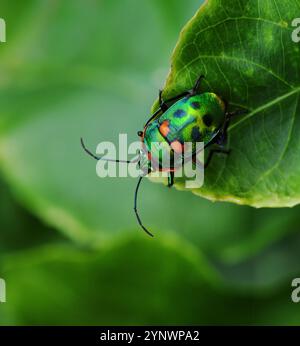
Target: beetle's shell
[{"x": 193, "y": 119}]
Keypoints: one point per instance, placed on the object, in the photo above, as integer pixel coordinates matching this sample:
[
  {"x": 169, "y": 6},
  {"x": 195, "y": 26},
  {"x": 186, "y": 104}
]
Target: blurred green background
[{"x": 70, "y": 248}]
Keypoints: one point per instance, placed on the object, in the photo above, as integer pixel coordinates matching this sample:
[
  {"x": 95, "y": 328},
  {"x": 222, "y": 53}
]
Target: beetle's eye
[{"x": 140, "y": 133}]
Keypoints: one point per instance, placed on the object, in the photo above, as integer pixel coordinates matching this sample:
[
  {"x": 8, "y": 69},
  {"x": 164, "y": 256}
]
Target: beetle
[{"x": 188, "y": 117}]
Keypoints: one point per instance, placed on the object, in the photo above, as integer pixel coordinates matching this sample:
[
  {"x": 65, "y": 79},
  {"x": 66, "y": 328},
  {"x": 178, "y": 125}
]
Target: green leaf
[{"x": 246, "y": 52}]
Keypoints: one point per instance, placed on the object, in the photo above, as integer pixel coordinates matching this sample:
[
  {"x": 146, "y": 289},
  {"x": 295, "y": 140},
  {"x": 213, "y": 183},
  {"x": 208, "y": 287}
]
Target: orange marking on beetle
[
  {"x": 164, "y": 128},
  {"x": 177, "y": 147}
]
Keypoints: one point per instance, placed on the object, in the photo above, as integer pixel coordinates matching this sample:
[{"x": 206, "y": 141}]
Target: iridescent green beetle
[{"x": 189, "y": 117}]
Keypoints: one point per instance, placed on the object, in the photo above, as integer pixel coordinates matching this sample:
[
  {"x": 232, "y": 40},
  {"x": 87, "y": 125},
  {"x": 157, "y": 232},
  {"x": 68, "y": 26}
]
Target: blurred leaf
[
  {"x": 133, "y": 282},
  {"x": 245, "y": 50},
  {"x": 275, "y": 265},
  {"x": 19, "y": 229}
]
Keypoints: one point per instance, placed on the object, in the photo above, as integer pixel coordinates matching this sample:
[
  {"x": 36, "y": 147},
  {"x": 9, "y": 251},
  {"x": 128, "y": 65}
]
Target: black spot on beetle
[
  {"x": 179, "y": 113},
  {"x": 195, "y": 105},
  {"x": 196, "y": 135},
  {"x": 207, "y": 120}
]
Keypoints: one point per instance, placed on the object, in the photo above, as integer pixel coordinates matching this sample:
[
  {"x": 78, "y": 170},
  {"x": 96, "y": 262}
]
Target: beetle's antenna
[
  {"x": 100, "y": 158},
  {"x": 135, "y": 207}
]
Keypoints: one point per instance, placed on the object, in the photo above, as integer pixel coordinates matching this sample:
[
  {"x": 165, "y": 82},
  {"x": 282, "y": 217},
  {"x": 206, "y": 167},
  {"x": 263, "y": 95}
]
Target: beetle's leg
[
  {"x": 171, "y": 179},
  {"x": 192, "y": 91},
  {"x": 237, "y": 112},
  {"x": 171, "y": 172},
  {"x": 162, "y": 108},
  {"x": 162, "y": 103},
  {"x": 195, "y": 88},
  {"x": 214, "y": 151},
  {"x": 229, "y": 115},
  {"x": 221, "y": 141},
  {"x": 222, "y": 137}
]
